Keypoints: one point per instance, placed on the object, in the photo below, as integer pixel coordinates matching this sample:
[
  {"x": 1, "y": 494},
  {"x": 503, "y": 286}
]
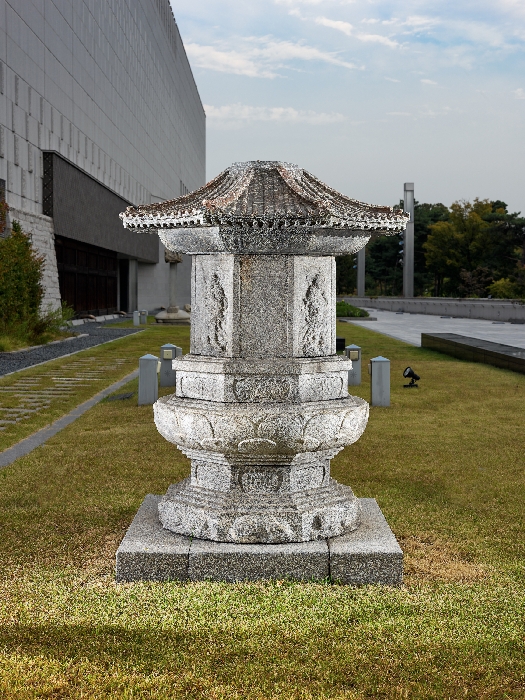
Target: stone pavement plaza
[{"x": 408, "y": 327}]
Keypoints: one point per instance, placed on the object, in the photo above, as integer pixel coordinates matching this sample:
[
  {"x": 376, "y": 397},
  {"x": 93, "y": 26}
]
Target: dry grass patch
[{"x": 429, "y": 559}]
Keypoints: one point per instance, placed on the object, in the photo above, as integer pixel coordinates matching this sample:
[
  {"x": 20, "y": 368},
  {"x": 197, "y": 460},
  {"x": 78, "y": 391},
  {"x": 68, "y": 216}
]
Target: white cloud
[
  {"x": 344, "y": 27},
  {"x": 399, "y": 114},
  {"x": 347, "y": 28},
  {"x": 519, "y": 94},
  {"x": 444, "y": 111},
  {"x": 392, "y": 80},
  {"x": 236, "y": 115},
  {"x": 227, "y": 61},
  {"x": 378, "y": 39},
  {"x": 279, "y": 51},
  {"x": 311, "y": 2},
  {"x": 426, "y": 81},
  {"x": 258, "y": 57}
]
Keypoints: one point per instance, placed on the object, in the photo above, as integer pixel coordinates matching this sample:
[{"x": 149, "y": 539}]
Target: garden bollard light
[
  {"x": 168, "y": 353},
  {"x": 149, "y": 367},
  {"x": 136, "y": 318},
  {"x": 379, "y": 369},
  {"x": 144, "y": 316},
  {"x": 353, "y": 352}
]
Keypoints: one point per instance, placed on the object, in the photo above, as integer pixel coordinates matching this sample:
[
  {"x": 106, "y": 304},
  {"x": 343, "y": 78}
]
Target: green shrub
[
  {"x": 343, "y": 308},
  {"x": 21, "y": 288},
  {"x": 21, "y": 293},
  {"x": 504, "y": 289}
]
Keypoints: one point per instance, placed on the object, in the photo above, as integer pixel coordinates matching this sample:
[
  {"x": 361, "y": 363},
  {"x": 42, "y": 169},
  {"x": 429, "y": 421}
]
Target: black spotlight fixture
[{"x": 410, "y": 374}]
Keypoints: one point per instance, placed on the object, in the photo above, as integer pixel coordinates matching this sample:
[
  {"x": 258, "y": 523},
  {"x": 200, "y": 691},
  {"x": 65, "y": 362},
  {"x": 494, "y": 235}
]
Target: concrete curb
[{"x": 28, "y": 444}]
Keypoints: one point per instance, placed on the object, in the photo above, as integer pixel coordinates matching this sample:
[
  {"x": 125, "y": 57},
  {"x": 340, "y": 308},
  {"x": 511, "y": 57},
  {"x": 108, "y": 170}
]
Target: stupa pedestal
[
  {"x": 261, "y": 402},
  {"x": 173, "y": 315}
]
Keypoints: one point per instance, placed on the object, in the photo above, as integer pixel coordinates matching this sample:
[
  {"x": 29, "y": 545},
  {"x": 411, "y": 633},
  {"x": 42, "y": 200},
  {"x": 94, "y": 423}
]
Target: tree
[
  {"x": 478, "y": 243},
  {"x": 456, "y": 244},
  {"x": 384, "y": 270},
  {"x": 21, "y": 288},
  {"x": 425, "y": 215},
  {"x": 345, "y": 276}
]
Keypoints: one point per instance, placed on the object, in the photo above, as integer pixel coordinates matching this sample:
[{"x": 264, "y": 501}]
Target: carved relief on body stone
[
  {"x": 212, "y": 309},
  {"x": 314, "y": 307},
  {"x": 252, "y": 389}
]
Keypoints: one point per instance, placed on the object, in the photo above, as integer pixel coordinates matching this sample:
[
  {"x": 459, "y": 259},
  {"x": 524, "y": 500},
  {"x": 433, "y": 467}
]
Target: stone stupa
[{"x": 261, "y": 403}]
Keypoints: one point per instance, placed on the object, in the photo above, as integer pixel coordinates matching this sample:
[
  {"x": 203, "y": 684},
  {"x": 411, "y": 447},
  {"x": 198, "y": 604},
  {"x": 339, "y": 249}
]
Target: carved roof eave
[
  {"x": 299, "y": 242},
  {"x": 383, "y": 224}
]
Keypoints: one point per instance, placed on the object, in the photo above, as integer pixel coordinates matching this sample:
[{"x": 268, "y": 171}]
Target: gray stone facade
[{"x": 107, "y": 85}]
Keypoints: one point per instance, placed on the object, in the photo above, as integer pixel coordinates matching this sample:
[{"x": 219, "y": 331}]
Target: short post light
[
  {"x": 136, "y": 318},
  {"x": 144, "y": 317},
  {"x": 149, "y": 367},
  {"x": 353, "y": 352},
  {"x": 168, "y": 353},
  {"x": 379, "y": 369}
]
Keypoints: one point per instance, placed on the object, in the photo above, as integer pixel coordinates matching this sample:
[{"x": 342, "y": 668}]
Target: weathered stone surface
[
  {"x": 258, "y": 508},
  {"x": 265, "y": 207},
  {"x": 218, "y": 561},
  {"x": 370, "y": 555},
  {"x": 150, "y": 553},
  {"x": 254, "y": 428}
]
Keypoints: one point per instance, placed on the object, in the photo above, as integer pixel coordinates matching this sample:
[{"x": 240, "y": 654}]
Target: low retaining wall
[
  {"x": 488, "y": 309},
  {"x": 475, "y": 350}
]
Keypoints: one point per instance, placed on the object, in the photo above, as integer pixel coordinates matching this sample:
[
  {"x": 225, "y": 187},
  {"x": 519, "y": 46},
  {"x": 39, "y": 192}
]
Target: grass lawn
[
  {"x": 116, "y": 359},
  {"x": 446, "y": 464}
]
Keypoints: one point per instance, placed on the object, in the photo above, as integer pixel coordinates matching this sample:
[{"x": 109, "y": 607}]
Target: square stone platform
[{"x": 370, "y": 554}]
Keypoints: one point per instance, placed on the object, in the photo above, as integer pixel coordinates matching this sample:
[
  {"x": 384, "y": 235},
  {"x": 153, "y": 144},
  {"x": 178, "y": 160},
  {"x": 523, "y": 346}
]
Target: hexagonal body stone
[{"x": 263, "y": 306}]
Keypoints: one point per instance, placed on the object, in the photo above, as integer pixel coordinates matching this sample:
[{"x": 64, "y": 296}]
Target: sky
[{"x": 367, "y": 94}]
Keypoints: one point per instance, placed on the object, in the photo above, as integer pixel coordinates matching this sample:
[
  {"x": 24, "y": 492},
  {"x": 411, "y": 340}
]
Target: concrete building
[{"x": 98, "y": 110}]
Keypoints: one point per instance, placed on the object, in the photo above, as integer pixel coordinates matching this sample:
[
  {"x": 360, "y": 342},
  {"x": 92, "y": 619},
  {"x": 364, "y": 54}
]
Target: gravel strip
[{"x": 93, "y": 334}]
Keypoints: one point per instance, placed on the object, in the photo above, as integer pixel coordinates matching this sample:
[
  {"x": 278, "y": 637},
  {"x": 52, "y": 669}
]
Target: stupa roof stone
[{"x": 269, "y": 195}]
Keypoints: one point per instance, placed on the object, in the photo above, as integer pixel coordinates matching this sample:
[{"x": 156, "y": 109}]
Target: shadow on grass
[{"x": 325, "y": 662}]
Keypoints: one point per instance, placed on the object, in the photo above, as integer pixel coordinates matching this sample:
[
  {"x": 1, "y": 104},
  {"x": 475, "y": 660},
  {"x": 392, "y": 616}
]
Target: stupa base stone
[
  {"x": 368, "y": 555},
  {"x": 255, "y": 518}
]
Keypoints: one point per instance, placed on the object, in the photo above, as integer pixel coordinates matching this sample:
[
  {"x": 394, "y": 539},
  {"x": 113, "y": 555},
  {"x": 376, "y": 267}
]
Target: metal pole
[
  {"x": 408, "y": 247},
  {"x": 361, "y": 273}
]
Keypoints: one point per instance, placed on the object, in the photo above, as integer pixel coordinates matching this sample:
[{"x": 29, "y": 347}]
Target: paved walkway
[
  {"x": 29, "y": 395},
  {"x": 91, "y": 336},
  {"x": 408, "y": 327},
  {"x": 26, "y": 446}
]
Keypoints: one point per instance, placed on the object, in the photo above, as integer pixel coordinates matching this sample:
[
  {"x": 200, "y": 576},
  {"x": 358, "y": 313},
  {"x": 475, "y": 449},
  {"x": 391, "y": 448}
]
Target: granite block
[
  {"x": 148, "y": 552},
  {"x": 370, "y": 554},
  {"x": 224, "y": 561}
]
